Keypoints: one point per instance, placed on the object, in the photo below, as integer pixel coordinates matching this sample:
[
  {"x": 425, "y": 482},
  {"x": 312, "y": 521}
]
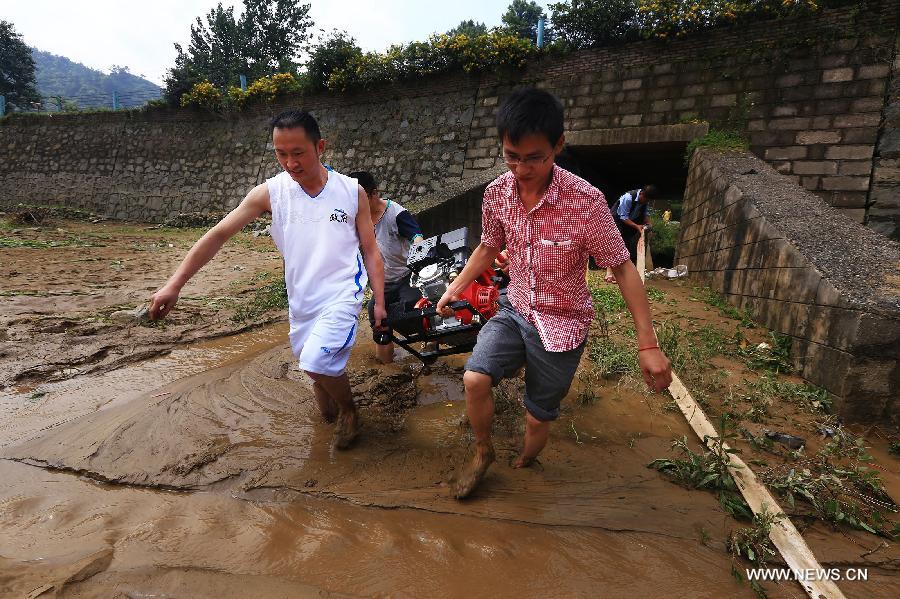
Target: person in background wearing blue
[
  {"x": 632, "y": 215},
  {"x": 395, "y": 231}
]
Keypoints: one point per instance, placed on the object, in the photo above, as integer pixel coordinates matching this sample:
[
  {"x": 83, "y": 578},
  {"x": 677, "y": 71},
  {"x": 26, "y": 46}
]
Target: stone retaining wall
[
  {"x": 802, "y": 268},
  {"x": 809, "y": 94}
]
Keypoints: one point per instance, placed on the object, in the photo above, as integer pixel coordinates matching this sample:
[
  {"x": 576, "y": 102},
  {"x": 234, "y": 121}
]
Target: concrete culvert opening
[
  {"x": 613, "y": 160},
  {"x": 620, "y": 160}
]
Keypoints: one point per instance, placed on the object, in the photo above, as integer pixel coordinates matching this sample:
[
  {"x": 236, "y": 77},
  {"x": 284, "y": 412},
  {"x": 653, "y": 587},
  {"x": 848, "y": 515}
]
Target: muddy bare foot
[
  {"x": 329, "y": 416},
  {"x": 473, "y": 473},
  {"x": 347, "y": 429},
  {"x": 521, "y": 461}
]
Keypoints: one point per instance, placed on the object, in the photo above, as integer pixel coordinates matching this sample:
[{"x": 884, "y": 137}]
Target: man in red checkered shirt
[{"x": 549, "y": 221}]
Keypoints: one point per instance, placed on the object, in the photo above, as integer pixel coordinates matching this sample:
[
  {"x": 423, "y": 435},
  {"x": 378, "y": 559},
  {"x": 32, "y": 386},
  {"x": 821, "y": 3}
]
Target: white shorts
[{"x": 323, "y": 342}]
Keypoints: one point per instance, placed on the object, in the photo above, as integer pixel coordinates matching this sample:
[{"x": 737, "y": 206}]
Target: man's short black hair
[
  {"x": 365, "y": 179},
  {"x": 527, "y": 111},
  {"x": 650, "y": 192},
  {"x": 293, "y": 119}
]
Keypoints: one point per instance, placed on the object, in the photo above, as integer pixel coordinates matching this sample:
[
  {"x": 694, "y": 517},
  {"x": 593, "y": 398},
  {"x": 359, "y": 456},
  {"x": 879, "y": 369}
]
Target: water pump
[{"x": 435, "y": 263}]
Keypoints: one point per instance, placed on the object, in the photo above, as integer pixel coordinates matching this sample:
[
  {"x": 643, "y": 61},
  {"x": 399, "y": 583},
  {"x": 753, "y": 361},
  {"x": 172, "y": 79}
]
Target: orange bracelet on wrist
[{"x": 648, "y": 347}]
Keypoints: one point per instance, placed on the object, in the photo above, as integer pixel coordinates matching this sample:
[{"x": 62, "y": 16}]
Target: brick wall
[
  {"x": 808, "y": 93},
  {"x": 884, "y": 197},
  {"x": 803, "y": 269}
]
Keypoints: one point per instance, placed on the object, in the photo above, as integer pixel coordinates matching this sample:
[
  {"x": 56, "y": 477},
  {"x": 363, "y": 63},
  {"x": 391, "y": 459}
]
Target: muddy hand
[
  {"x": 656, "y": 368},
  {"x": 162, "y": 302},
  {"x": 380, "y": 315}
]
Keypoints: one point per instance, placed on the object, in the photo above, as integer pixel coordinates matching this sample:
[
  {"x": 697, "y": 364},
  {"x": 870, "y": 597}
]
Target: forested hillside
[{"x": 65, "y": 84}]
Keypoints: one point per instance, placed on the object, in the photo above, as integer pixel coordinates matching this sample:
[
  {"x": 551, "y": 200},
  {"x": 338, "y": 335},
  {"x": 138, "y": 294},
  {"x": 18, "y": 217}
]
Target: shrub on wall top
[
  {"x": 441, "y": 53},
  {"x": 203, "y": 95}
]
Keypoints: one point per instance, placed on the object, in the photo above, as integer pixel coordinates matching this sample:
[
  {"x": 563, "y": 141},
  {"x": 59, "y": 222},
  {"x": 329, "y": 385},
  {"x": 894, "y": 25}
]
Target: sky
[{"x": 141, "y": 34}]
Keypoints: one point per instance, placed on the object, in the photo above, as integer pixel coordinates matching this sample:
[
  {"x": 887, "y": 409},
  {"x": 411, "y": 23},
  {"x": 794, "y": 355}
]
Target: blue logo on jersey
[
  {"x": 325, "y": 350},
  {"x": 339, "y": 216}
]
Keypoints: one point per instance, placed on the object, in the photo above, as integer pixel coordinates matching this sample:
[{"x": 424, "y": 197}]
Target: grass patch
[
  {"x": 612, "y": 359},
  {"x": 690, "y": 350},
  {"x": 270, "y": 296},
  {"x": 12, "y": 242},
  {"x": 808, "y": 397},
  {"x": 716, "y": 139},
  {"x": 655, "y": 295},
  {"x": 607, "y": 300},
  {"x": 894, "y": 448},
  {"x": 717, "y": 300},
  {"x": 774, "y": 356}
]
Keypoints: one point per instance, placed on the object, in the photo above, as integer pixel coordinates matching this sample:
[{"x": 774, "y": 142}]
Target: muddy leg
[
  {"x": 536, "y": 434},
  {"x": 338, "y": 389},
  {"x": 480, "y": 410},
  {"x": 327, "y": 405},
  {"x": 384, "y": 353}
]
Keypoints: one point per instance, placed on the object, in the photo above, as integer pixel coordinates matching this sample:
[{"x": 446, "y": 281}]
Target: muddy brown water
[{"x": 207, "y": 473}]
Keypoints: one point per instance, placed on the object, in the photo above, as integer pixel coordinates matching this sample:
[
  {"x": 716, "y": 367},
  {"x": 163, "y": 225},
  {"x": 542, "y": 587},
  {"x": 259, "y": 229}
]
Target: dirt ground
[{"x": 188, "y": 460}]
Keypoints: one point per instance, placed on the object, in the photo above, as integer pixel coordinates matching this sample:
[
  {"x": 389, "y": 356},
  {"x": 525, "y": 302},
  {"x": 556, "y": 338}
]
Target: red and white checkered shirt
[{"x": 548, "y": 251}]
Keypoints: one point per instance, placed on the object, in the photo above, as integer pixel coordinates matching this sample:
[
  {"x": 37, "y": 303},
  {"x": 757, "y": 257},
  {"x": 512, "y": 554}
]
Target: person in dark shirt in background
[
  {"x": 631, "y": 213},
  {"x": 395, "y": 231}
]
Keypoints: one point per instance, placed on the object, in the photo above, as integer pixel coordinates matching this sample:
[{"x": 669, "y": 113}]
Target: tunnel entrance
[
  {"x": 616, "y": 161},
  {"x": 613, "y": 160}
]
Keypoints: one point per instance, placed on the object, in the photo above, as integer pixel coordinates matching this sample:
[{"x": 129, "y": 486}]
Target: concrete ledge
[
  {"x": 803, "y": 269},
  {"x": 637, "y": 135}
]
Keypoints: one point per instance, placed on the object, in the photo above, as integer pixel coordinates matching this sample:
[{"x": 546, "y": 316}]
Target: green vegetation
[
  {"x": 719, "y": 140},
  {"x": 68, "y": 86},
  {"x": 754, "y": 544},
  {"x": 221, "y": 49},
  {"x": 836, "y": 485},
  {"x": 774, "y": 356},
  {"x": 707, "y": 470},
  {"x": 17, "y": 81},
  {"x": 267, "y": 38},
  {"x": 894, "y": 448},
  {"x": 804, "y": 395},
  {"x": 271, "y": 296},
  {"x": 717, "y": 300},
  {"x": 13, "y": 242},
  {"x": 607, "y": 300},
  {"x": 663, "y": 240}
]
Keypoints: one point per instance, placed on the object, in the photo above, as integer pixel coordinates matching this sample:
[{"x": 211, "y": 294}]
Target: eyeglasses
[{"x": 530, "y": 161}]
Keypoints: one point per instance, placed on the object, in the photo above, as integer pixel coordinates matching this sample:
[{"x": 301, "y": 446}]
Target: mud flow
[{"x": 206, "y": 471}]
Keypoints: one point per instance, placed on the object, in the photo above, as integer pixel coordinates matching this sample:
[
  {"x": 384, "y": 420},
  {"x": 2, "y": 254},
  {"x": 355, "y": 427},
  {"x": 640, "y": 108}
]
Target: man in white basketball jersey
[{"x": 320, "y": 222}]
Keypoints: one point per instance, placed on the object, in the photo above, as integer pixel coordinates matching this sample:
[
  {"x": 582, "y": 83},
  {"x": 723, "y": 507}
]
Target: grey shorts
[{"x": 506, "y": 343}]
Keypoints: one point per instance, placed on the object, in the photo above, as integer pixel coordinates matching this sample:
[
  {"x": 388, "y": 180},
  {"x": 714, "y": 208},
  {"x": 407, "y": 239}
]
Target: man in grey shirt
[{"x": 395, "y": 231}]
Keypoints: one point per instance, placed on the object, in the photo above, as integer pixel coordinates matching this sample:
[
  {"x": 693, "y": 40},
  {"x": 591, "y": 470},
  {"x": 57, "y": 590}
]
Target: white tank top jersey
[{"x": 317, "y": 236}]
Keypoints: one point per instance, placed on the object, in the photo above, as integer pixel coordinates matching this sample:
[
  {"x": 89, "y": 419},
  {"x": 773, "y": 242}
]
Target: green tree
[
  {"x": 585, "y": 23},
  {"x": 521, "y": 19},
  {"x": 469, "y": 28},
  {"x": 266, "y": 39},
  {"x": 334, "y": 53},
  {"x": 17, "y": 81}
]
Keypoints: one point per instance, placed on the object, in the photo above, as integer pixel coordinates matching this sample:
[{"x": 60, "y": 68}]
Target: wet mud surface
[
  {"x": 207, "y": 472},
  {"x": 67, "y": 284}
]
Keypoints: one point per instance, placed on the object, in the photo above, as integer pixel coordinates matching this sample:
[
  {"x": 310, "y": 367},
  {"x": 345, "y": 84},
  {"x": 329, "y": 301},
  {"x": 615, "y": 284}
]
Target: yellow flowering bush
[
  {"x": 673, "y": 18},
  {"x": 203, "y": 95},
  {"x": 441, "y": 53}
]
